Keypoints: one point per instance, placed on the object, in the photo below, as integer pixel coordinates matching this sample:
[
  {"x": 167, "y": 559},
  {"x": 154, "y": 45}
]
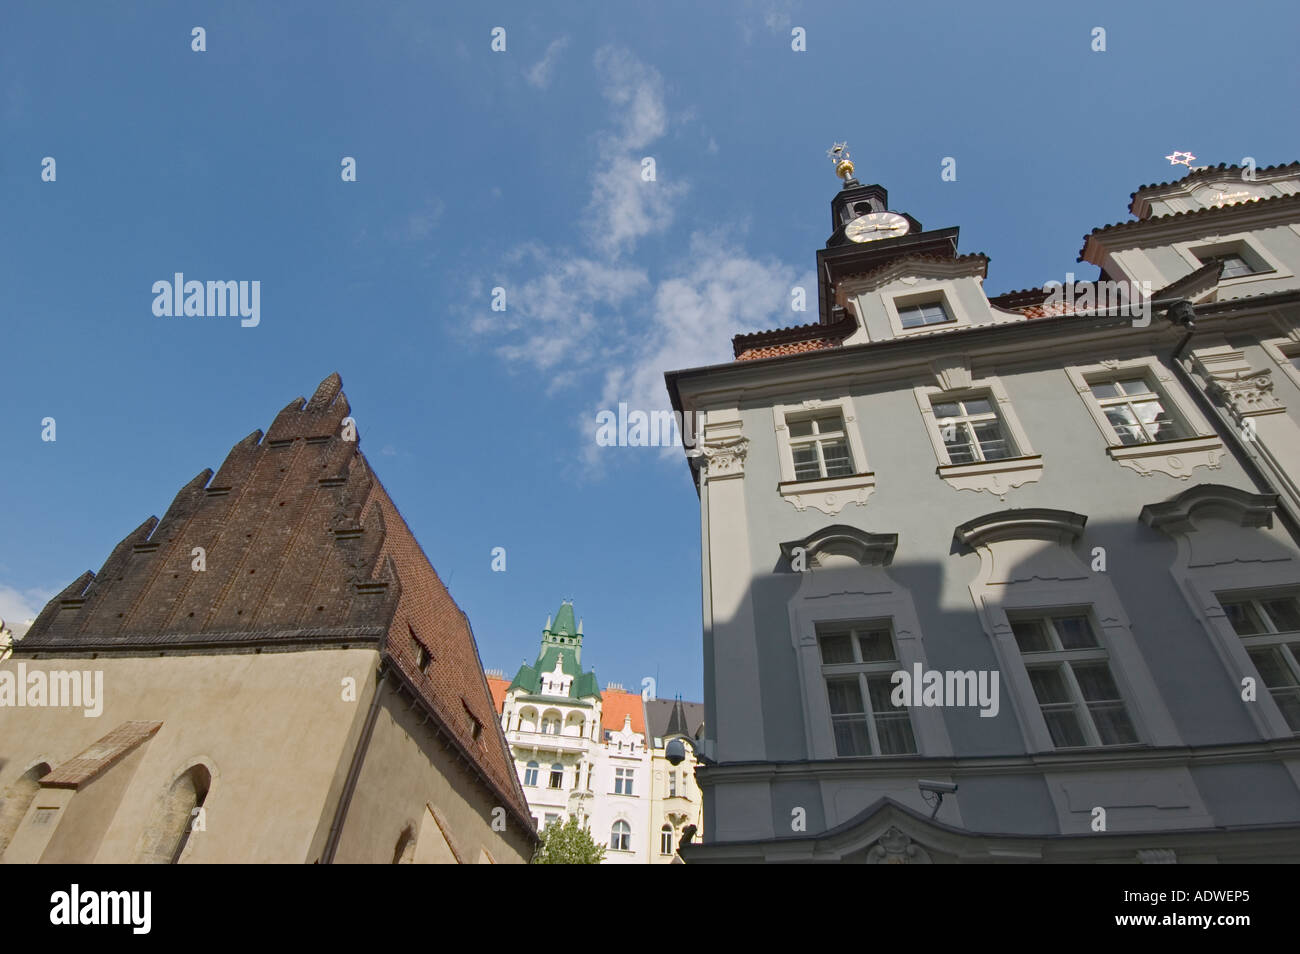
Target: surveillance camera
[
  {"x": 675, "y": 751},
  {"x": 942, "y": 788}
]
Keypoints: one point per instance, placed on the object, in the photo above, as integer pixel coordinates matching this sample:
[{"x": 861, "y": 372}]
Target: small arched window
[
  {"x": 17, "y": 799},
  {"x": 666, "y": 840},
  {"x": 620, "y": 836},
  {"x": 557, "y": 776},
  {"x": 530, "y": 774},
  {"x": 166, "y": 837}
]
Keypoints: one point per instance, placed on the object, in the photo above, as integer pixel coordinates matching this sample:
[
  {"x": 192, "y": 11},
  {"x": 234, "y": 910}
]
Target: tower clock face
[{"x": 876, "y": 225}]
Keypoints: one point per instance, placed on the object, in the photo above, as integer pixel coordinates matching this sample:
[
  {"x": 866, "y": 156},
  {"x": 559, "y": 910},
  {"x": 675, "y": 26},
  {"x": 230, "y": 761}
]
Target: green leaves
[{"x": 567, "y": 844}]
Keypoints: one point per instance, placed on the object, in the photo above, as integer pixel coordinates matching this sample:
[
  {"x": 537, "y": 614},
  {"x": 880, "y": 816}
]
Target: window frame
[
  {"x": 827, "y": 494},
  {"x": 1202, "y": 447},
  {"x": 535, "y": 768},
  {"x": 940, "y": 293},
  {"x": 1285, "y": 641},
  {"x": 624, "y": 779},
  {"x": 1267, "y": 266},
  {"x": 557, "y": 768},
  {"x": 1062, "y": 660},
  {"x": 864, "y": 670},
  {"x": 616, "y": 836}
]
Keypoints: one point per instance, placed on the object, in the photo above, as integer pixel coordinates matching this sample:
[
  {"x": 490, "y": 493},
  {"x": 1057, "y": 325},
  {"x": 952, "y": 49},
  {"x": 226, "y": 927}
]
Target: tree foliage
[{"x": 568, "y": 844}]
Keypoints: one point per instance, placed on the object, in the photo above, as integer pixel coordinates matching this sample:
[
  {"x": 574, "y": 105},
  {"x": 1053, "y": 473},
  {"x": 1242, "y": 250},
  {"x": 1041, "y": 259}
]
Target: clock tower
[{"x": 868, "y": 235}]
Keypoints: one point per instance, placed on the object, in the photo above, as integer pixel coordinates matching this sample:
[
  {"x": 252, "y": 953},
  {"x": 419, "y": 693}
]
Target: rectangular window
[
  {"x": 820, "y": 446},
  {"x": 1269, "y": 628},
  {"x": 971, "y": 430},
  {"x": 1233, "y": 264},
  {"x": 1136, "y": 410},
  {"x": 1072, "y": 681},
  {"x": 929, "y": 313},
  {"x": 672, "y": 784},
  {"x": 623, "y": 781},
  {"x": 858, "y": 661},
  {"x": 557, "y": 776}
]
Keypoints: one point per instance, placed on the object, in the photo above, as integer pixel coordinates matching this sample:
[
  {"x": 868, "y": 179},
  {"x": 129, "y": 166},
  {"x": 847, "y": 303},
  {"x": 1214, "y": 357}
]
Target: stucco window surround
[
  {"x": 1176, "y": 458},
  {"x": 1029, "y": 567},
  {"x": 844, "y": 579},
  {"x": 830, "y": 495},
  {"x": 1225, "y": 551},
  {"x": 1285, "y": 352},
  {"x": 926, "y": 293},
  {"x": 997, "y": 477},
  {"x": 1267, "y": 266}
]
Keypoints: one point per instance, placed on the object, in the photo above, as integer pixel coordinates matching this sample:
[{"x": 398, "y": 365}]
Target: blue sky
[{"x": 521, "y": 169}]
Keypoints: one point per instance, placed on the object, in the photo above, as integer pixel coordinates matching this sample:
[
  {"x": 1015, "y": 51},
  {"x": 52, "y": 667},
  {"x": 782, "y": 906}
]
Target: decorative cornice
[
  {"x": 919, "y": 266},
  {"x": 725, "y": 456},
  {"x": 830, "y": 495},
  {"x": 1178, "y": 458},
  {"x": 1175, "y": 515},
  {"x": 867, "y": 549},
  {"x": 1033, "y": 523}
]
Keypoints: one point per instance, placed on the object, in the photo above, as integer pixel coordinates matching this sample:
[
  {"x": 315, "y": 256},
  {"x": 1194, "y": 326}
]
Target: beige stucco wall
[
  {"x": 272, "y": 728},
  {"x": 405, "y": 770}
]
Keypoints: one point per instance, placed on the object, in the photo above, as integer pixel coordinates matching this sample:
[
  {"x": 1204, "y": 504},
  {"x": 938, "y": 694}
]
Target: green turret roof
[{"x": 561, "y": 642}]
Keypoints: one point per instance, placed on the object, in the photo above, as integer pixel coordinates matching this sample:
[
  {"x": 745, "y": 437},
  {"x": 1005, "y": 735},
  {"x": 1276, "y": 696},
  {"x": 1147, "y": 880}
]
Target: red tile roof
[
  {"x": 498, "y": 689},
  {"x": 616, "y": 705}
]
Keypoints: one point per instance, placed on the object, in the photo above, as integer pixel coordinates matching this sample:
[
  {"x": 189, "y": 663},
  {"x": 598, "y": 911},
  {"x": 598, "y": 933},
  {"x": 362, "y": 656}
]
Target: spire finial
[{"x": 839, "y": 155}]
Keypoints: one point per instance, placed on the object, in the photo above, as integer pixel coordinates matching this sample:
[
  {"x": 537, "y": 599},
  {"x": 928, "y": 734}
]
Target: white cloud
[
  {"x": 539, "y": 74},
  {"x": 18, "y": 608}
]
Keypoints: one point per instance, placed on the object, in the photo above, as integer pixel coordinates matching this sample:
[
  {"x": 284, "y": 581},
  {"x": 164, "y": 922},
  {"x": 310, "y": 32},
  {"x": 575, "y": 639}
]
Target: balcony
[{"x": 545, "y": 742}]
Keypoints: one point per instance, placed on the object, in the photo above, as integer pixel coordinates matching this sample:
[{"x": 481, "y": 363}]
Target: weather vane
[
  {"x": 1181, "y": 159},
  {"x": 839, "y": 154}
]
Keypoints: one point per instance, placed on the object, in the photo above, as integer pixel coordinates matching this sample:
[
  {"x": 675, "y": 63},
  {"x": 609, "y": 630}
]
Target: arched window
[
  {"x": 557, "y": 775},
  {"x": 17, "y": 799},
  {"x": 666, "y": 840},
  {"x": 620, "y": 836},
  {"x": 404, "y": 851},
  {"x": 530, "y": 774},
  {"x": 166, "y": 837}
]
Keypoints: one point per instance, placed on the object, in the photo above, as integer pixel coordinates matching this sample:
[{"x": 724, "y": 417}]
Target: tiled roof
[
  {"x": 92, "y": 761},
  {"x": 793, "y": 347},
  {"x": 616, "y": 706},
  {"x": 498, "y": 688},
  {"x": 1212, "y": 172},
  {"x": 304, "y": 549},
  {"x": 1210, "y": 212}
]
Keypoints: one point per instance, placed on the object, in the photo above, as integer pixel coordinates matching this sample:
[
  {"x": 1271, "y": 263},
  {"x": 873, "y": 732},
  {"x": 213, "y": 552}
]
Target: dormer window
[
  {"x": 1234, "y": 266},
  {"x": 923, "y": 313}
]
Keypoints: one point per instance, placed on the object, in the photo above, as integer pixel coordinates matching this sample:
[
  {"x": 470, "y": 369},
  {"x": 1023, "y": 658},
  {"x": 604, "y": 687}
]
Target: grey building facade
[{"x": 1041, "y": 547}]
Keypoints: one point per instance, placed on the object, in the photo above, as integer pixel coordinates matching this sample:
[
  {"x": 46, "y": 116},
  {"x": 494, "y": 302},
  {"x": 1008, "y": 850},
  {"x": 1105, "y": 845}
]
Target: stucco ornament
[
  {"x": 896, "y": 848},
  {"x": 725, "y": 457}
]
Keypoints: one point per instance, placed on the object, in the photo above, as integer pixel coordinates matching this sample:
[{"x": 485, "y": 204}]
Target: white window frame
[
  {"x": 1062, "y": 660},
  {"x": 1283, "y": 351},
  {"x": 833, "y": 595},
  {"x": 534, "y": 767},
  {"x": 666, "y": 840},
  {"x": 624, "y": 779},
  {"x": 827, "y": 494},
  {"x": 1177, "y": 458},
  {"x": 863, "y": 669},
  {"x": 1271, "y": 639},
  {"x": 942, "y": 293},
  {"x": 550, "y": 776},
  {"x": 619, "y": 836},
  {"x": 998, "y": 476}
]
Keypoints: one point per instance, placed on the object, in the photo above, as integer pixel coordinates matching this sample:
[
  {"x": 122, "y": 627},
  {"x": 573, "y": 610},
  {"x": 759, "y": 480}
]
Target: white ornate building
[{"x": 582, "y": 751}]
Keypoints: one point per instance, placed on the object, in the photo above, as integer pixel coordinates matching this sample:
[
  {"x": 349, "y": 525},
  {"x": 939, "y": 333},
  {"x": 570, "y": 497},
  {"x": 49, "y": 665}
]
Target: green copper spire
[{"x": 561, "y": 643}]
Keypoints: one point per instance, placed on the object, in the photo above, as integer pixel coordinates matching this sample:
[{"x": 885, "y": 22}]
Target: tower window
[{"x": 927, "y": 313}]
